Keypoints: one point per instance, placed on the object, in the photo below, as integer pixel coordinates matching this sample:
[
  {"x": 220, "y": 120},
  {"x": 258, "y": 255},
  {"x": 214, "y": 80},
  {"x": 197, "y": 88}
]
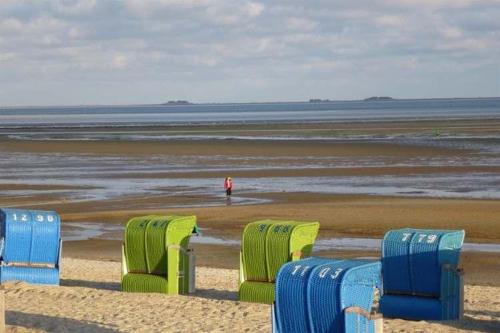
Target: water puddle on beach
[{"x": 78, "y": 231}]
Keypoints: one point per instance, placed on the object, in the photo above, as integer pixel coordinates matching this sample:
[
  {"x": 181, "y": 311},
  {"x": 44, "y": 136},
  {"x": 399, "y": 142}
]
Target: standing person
[{"x": 228, "y": 186}]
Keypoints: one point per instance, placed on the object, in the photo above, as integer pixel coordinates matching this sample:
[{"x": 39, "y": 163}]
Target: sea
[
  {"x": 106, "y": 177},
  {"x": 298, "y": 112}
]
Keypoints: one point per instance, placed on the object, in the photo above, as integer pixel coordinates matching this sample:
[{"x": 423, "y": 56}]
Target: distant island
[
  {"x": 318, "y": 100},
  {"x": 179, "y": 102},
  {"x": 369, "y": 99},
  {"x": 379, "y": 98}
]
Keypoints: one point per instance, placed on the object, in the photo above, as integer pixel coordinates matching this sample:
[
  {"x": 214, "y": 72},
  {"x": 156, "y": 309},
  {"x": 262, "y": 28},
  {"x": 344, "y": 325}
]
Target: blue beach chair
[
  {"x": 421, "y": 276},
  {"x": 30, "y": 246},
  {"x": 326, "y": 295}
]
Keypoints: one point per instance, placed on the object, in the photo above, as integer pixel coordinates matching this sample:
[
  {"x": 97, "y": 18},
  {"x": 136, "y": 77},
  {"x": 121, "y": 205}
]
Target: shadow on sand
[
  {"x": 53, "y": 324},
  {"x": 221, "y": 295},
  {"x": 481, "y": 325},
  {"x": 115, "y": 286}
]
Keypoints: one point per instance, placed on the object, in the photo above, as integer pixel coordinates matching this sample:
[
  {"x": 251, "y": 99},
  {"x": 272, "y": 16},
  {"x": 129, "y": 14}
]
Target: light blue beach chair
[
  {"x": 30, "y": 246},
  {"x": 421, "y": 276},
  {"x": 326, "y": 295}
]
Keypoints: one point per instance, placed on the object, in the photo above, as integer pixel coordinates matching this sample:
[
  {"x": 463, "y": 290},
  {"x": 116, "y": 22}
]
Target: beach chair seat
[
  {"x": 30, "y": 246},
  {"x": 33, "y": 275},
  {"x": 421, "y": 276},
  {"x": 155, "y": 254},
  {"x": 326, "y": 295},
  {"x": 266, "y": 246},
  {"x": 145, "y": 283},
  {"x": 260, "y": 292}
]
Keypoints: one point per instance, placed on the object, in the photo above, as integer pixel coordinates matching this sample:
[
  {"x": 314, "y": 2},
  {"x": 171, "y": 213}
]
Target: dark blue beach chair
[
  {"x": 326, "y": 295},
  {"x": 30, "y": 246},
  {"x": 421, "y": 276}
]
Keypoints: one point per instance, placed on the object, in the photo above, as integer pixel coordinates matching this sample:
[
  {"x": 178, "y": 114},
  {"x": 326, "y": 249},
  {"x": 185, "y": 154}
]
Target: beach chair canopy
[
  {"x": 421, "y": 277},
  {"x": 326, "y": 295},
  {"x": 155, "y": 254},
  {"x": 30, "y": 242},
  {"x": 266, "y": 246}
]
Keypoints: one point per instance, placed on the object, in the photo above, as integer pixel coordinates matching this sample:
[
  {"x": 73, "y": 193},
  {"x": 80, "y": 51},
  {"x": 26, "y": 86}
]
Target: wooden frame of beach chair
[
  {"x": 155, "y": 255},
  {"x": 266, "y": 246}
]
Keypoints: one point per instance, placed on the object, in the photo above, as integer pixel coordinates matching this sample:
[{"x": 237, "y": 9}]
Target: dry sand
[{"x": 89, "y": 300}]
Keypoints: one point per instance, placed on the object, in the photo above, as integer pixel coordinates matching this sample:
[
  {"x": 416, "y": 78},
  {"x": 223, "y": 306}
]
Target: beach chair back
[
  {"x": 266, "y": 246},
  {"x": 291, "y": 304},
  {"x": 254, "y": 250},
  {"x": 421, "y": 276},
  {"x": 412, "y": 259},
  {"x": 155, "y": 241},
  {"x": 314, "y": 295},
  {"x": 135, "y": 244},
  {"x": 30, "y": 238},
  {"x": 155, "y": 251}
]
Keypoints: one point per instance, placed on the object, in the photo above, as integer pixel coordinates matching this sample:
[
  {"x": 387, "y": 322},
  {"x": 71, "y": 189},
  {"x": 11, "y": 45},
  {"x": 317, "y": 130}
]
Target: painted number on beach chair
[
  {"x": 324, "y": 272},
  {"x": 297, "y": 268},
  {"x": 22, "y": 218},
  {"x": 39, "y": 218},
  {"x": 406, "y": 237},
  {"x": 262, "y": 227},
  {"x": 428, "y": 238},
  {"x": 50, "y": 218}
]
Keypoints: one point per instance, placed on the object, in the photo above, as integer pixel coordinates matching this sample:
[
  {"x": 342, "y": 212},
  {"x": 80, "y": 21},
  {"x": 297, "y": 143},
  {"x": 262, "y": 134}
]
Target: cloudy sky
[{"x": 63, "y": 52}]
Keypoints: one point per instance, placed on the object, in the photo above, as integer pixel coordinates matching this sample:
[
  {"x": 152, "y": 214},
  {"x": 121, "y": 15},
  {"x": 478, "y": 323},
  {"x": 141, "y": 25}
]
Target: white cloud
[
  {"x": 119, "y": 61},
  {"x": 254, "y": 9},
  {"x": 390, "y": 21},
  {"x": 196, "y": 43},
  {"x": 452, "y": 33},
  {"x": 301, "y": 24}
]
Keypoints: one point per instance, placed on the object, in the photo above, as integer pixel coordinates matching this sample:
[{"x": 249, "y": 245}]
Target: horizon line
[{"x": 189, "y": 103}]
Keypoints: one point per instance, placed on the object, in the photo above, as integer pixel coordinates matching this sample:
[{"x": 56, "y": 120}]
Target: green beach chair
[
  {"x": 266, "y": 246},
  {"x": 155, "y": 255}
]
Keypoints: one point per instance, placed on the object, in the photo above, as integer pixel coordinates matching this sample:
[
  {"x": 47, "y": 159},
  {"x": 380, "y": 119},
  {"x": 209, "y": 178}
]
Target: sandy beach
[
  {"x": 89, "y": 300},
  {"x": 93, "y": 181}
]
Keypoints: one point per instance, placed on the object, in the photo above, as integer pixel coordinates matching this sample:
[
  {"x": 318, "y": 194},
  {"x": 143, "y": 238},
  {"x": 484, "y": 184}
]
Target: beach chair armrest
[
  {"x": 362, "y": 312},
  {"x": 59, "y": 255},
  {"x": 452, "y": 292},
  {"x": 178, "y": 248},
  {"x": 242, "y": 270},
  {"x": 359, "y": 320},
  {"x": 296, "y": 255},
  {"x": 124, "y": 262}
]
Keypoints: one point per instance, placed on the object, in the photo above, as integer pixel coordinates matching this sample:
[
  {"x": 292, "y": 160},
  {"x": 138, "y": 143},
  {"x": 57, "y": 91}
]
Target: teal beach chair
[{"x": 421, "y": 276}]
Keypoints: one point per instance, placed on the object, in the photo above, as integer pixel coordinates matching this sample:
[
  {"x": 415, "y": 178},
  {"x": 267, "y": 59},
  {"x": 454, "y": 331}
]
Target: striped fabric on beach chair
[
  {"x": 421, "y": 276},
  {"x": 155, "y": 255},
  {"x": 326, "y": 295},
  {"x": 30, "y": 243},
  {"x": 266, "y": 246}
]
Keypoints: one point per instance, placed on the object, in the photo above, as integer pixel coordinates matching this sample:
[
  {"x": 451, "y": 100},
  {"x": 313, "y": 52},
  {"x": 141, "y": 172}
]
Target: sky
[{"x": 85, "y": 52}]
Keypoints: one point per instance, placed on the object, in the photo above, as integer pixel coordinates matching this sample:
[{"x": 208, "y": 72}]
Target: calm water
[{"x": 252, "y": 113}]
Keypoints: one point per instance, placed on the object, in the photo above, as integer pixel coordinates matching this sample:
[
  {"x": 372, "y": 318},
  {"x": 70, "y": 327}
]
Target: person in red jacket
[{"x": 228, "y": 186}]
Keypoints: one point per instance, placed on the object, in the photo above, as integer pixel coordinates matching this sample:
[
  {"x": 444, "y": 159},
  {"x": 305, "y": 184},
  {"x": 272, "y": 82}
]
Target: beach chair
[
  {"x": 266, "y": 246},
  {"x": 421, "y": 276},
  {"x": 327, "y": 295},
  {"x": 30, "y": 246},
  {"x": 155, "y": 255}
]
